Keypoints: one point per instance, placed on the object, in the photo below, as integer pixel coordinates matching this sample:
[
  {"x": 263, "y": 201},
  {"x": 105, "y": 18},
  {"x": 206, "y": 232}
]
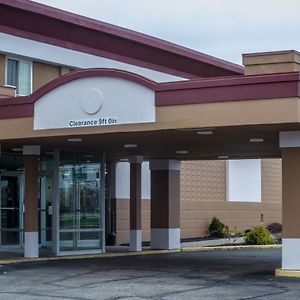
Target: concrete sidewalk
[{"x": 213, "y": 242}]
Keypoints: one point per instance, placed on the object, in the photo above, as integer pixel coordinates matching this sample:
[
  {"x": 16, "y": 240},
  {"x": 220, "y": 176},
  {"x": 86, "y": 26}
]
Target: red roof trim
[
  {"x": 39, "y": 22},
  {"x": 175, "y": 93},
  {"x": 229, "y": 89}
]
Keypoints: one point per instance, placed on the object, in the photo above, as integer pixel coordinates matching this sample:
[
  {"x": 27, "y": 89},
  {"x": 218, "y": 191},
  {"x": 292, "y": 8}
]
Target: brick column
[
  {"x": 135, "y": 203},
  {"x": 31, "y": 162},
  {"x": 165, "y": 204}
]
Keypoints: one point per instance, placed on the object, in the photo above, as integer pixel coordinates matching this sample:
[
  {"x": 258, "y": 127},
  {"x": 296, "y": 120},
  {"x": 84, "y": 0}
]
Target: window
[
  {"x": 18, "y": 74},
  {"x": 243, "y": 180}
]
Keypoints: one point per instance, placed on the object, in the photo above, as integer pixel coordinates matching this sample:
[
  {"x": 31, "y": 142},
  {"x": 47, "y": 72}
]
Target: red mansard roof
[{"x": 57, "y": 27}]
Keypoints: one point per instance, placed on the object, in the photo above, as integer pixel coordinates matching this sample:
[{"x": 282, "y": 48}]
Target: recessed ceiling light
[
  {"x": 17, "y": 149},
  {"x": 223, "y": 157},
  {"x": 75, "y": 140},
  {"x": 124, "y": 160},
  {"x": 130, "y": 146},
  {"x": 205, "y": 132},
  {"x": 182, "y": 152},
  {"x": 256, "y": 140}
]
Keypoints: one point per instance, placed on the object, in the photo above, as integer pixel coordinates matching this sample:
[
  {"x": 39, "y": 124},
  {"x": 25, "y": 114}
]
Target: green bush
[
  {"x": 216, "y": 228},
  {"x": 259, "y": 235}
]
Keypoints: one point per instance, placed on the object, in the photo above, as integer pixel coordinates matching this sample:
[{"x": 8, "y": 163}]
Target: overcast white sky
[{"x": 222, "y": 28}]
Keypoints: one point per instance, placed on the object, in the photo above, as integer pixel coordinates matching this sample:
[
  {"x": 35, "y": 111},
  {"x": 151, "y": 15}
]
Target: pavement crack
[
  {"x": 43, "y": 296},
  {"x": 282, "y": 291}
]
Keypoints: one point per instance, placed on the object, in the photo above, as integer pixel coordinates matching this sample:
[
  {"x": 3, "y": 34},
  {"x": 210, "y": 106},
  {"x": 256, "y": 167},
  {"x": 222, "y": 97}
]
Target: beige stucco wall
[
  {"x": 203, "y": 196},
  {"x": 43, "y": 73}
]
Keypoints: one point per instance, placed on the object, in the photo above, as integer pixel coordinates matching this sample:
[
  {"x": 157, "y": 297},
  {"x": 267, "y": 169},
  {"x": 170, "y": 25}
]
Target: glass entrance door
[
  {"x": 80, "y": 209},
  {"x": 11, "y": 208}
]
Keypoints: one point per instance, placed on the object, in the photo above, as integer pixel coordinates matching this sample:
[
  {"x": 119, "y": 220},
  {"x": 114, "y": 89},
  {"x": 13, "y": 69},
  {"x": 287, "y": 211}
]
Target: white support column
[{"x": 165, "y": 204}]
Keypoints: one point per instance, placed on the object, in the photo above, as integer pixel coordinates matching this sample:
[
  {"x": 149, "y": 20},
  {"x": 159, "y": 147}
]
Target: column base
[
  {"x": 31, "y": 245},
  {"x": 290, "y": 253},
  {"x": 165, "y": 238},
  {"x": 135, "y": 240}
]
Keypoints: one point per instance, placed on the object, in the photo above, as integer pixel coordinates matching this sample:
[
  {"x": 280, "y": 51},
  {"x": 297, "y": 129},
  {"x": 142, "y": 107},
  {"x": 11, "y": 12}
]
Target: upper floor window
[{"x": 19, "y": 74}]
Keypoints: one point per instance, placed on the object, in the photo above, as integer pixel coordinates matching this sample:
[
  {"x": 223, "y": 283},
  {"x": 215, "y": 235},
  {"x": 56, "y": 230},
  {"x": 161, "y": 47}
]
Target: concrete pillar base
[
  {"x": 165, "y": 238},
  {"x": 135, "y": 240},
  {"x": 290, "y": 253},
  {"x": 31, "y": 245}
]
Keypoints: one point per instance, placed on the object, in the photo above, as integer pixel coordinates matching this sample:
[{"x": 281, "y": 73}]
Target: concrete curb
[
  {"x": 84, "y": 256},
  {"x": 146, "y": 252},
  {"x": 287, "y": 273},
  {"x": 233, "y": 247}
]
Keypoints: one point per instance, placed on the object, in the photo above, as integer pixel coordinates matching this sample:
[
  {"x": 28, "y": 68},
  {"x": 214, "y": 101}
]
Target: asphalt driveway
[{"x": 231, "y": 274}]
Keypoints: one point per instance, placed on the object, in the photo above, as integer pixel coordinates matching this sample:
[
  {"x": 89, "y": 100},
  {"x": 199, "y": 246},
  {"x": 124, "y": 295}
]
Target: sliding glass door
[{"x": 81, "y": 210}]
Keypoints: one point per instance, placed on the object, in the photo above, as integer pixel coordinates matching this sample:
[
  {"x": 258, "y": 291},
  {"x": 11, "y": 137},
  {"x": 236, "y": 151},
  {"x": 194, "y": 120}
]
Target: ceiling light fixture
[
  {"x": 256, "y": 140},
  {"x": 205, "y": 132},
  {"x": 182, "y": 152},
  {"x": 17, "y": 149},
  {"x": 124, "y": 160},
  {"x": 130, "y": 146},
  {"x": 223, "y": 157},
  {"x": 75, "y": 140}
]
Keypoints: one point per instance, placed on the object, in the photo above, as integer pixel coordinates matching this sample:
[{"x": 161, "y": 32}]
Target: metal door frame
[
  {"x": 20, "y": 176},
  {"x": 43, "y": 209}
]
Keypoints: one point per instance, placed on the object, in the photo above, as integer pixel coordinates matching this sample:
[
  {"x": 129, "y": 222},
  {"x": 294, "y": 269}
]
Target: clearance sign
[
  {"x": 94, "y": 101},
  {"x": 93, "y": 122}
]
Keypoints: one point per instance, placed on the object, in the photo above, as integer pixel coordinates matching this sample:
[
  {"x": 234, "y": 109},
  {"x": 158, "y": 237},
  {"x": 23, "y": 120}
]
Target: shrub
[
  {"x": 274, "y": 228},
  {"x": 259, "y": 235},
  {"x": 216, "y": 228}
]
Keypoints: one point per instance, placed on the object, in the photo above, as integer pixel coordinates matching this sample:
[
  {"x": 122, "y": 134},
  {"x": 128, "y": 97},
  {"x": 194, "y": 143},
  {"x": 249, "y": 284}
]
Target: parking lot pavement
[{"x": 234, "y": 274}]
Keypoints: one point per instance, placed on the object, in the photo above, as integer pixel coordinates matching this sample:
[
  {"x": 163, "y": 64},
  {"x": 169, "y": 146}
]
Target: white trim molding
[
  {"x": 165, "y": 238},
  {"x": 290, "y": 253}
]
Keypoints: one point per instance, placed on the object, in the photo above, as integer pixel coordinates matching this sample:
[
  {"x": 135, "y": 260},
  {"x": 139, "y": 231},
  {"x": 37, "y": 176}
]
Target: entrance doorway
[
  {"x": 80, "y": 212},
  {"x": 11, "y": 208},
  {"x": 71, "y": 208}
]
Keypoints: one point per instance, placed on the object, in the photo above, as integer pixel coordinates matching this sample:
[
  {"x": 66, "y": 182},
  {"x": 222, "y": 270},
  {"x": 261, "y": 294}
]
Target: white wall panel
[
  {"x": 123, "y": 180},
  {"x": 243, "y": 179}
]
